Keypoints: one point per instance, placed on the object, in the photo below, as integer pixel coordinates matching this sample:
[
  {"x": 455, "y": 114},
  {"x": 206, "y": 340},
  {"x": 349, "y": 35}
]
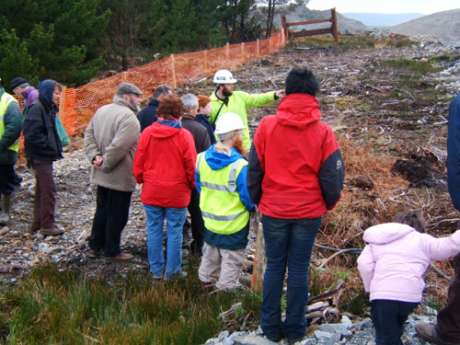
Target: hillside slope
[
  {"x": 382, "y": 19},
  {"x": 442, "y": 26}
]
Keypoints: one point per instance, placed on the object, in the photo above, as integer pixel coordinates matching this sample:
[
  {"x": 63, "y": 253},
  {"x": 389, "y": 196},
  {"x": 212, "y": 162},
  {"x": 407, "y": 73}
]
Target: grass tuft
[
  {"x": 54, "y": 307},
  {"x": 419, "y": 67}
]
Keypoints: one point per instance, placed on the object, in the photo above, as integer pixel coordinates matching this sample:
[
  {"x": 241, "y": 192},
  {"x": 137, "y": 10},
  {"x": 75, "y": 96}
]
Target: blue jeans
[
  {"x": 175, "y": 219},
  {"x": 288, "y": 244},
  {"x": 389, "y": 317}
]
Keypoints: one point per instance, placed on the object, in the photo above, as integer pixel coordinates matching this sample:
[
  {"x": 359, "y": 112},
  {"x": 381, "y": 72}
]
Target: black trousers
[
  {"x": 197, "y": 222},
  {"x": 389, "y": 317},
  {"x": 112, "y": 210},
  {"x": 448, "y": 325},
  {"x": 8, "y": 179}
]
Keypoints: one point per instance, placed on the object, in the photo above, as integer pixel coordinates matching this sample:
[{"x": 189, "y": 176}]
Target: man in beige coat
[{"x": 110, "y": 142}]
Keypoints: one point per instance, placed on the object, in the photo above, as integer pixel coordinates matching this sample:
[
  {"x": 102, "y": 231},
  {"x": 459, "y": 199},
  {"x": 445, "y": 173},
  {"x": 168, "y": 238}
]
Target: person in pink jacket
[{"x": 392, "y": 266}]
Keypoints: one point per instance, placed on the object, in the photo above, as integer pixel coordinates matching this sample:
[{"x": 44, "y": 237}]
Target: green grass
[
  {"x": 53, "y": 307},
  {"x": 417, "y": 67},
  {"x": 347, "y": 42}
]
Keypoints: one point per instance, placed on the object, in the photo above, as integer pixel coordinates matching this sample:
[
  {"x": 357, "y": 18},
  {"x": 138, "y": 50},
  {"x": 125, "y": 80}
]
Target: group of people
[{"x": 195, "y": 153}]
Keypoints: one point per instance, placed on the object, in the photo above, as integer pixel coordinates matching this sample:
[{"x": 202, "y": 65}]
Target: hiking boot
[
  {"x": 6, "y": 203},
  {"x": 51, "y": 231},
  {"x": 293, "y": 341},
  {"x": 93, "y": 253},
  {"x": 427, "y": 332},
  {"x": 207, "y": 286},
  {"x": 273, "y": 338},
  {"x": 123, "y": 256},
  {"x": 34, "y": 227},
  {"x": 4, "y": 218},
  {"x": 179, "y": 275}
]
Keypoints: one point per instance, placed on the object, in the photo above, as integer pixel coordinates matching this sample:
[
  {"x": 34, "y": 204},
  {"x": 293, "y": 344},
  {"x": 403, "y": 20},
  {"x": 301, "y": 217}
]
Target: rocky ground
[
  {"x": 378, "y": 108},
  {"x": 345, "y": 332}
]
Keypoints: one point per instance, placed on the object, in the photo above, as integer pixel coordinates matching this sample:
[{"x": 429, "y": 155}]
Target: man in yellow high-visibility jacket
[
  {"x": 225, "y": 204},
  {"x": 10, "y": 129},
  {"x": 225, "y": 99}
]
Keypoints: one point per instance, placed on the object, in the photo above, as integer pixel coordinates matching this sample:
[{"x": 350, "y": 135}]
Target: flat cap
[
  {"x": 128, "y": 88},
  {"x": 18, "y": 81}
]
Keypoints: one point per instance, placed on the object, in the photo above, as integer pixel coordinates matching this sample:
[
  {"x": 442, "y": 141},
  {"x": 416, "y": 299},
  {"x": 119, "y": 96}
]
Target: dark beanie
[{"x": 18, "y": 81}]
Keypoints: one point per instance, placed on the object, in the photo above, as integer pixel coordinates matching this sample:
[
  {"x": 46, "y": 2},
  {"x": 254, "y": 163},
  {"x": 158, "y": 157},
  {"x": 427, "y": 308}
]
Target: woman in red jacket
[
  {"x": 295, "y": 175},
  {"x": 165, "y": 164}
]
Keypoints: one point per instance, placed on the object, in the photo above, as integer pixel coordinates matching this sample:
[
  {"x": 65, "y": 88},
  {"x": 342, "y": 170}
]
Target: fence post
[
  {"x": 227, "y": 51},
  {"x": 205, "y": 60},
  {"x": 334, "y": 30},
  {"x": 257, "y": 48},
  {"x": 67, "y": 112},
  {"x": 284, "y": 28},
  {"x": 62, "y": 102},
  {"x": 173, "y": 71}
]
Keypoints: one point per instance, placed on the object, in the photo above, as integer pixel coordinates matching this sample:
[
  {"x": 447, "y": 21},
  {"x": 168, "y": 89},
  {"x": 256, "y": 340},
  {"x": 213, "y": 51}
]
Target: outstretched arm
[{"x": 259, "y": 100}]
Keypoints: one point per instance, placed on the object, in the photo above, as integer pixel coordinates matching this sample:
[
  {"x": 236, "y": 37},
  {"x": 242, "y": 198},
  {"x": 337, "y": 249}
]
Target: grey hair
[
  {"x": 189, "y": 101},
  {"x": 161, "y": 90}
]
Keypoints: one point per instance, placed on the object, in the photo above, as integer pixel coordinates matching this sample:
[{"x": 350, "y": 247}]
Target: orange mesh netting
[{"x": 79, "y": 104}]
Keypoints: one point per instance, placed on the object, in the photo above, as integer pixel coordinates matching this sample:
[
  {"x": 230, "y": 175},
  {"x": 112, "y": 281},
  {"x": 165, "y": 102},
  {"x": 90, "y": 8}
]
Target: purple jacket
[
  {"x": 395, "y": 258},
  {"x": 30, "y": 95}
]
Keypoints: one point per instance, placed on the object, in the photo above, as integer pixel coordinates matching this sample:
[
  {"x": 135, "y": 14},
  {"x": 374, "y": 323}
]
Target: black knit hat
[{"x": 18, "y": 81}]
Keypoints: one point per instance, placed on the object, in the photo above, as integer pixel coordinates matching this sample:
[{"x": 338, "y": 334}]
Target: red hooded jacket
[
  {"x": 165, "y": 163},
  {"x": 296, "y": 169}
]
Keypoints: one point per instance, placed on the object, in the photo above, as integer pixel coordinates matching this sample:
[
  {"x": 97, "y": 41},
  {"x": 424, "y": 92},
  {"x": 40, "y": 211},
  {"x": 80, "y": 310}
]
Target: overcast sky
[{"x": 386, "y": 6}]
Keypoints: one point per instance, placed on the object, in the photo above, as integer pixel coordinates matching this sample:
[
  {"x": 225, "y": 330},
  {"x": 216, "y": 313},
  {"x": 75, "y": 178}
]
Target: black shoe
[
  {"x": 274, "y": 339},
  {"x": 292, "y": 341}
]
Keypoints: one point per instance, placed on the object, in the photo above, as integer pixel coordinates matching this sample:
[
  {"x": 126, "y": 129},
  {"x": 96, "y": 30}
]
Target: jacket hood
[
  {"x": 298, "y": 110},
  {"x": 218, "y": 160},
  {"x": 386, "y": 233},
  {"x": 154, "y": 102},
  {"x": 45, "y": 90},
  {"x": 163, "y": 130},
  {"x": 30, "y": 95}
]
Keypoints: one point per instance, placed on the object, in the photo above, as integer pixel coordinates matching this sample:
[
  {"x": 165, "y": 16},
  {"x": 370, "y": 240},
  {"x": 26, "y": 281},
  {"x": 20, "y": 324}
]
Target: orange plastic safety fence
[{"x": 79, "y": 104}]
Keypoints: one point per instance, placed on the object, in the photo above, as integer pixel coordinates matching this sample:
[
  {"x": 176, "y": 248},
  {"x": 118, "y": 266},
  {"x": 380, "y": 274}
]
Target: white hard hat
[
  {"x": 228, "y": 122},
  {"x": 224, "y": 76}
]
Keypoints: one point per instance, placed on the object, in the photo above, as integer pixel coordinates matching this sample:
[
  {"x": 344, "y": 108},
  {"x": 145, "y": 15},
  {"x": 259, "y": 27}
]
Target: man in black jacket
[
  {"x": 447, "y": 329},
  {"x": 147, "y": 116},
  {"x": 10, "y": 129},
  {"x": 43, "y": 147},
  {"x": 202, "y": 143}
]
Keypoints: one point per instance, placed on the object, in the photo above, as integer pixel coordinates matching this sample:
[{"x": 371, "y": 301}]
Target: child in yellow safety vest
[{"x": 225, "y": 205}]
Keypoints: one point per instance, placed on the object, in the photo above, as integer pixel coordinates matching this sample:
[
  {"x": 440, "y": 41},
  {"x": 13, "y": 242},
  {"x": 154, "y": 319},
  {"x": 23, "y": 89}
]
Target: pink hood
[
  {"x": 386, "y": 233},
  {"x": 396, "y": 257}
]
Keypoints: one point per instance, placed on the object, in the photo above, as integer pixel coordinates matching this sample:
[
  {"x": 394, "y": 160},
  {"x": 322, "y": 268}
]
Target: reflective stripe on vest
[
  {"x": 5, "y": 101},
  {"x": 222, "y": 210}
]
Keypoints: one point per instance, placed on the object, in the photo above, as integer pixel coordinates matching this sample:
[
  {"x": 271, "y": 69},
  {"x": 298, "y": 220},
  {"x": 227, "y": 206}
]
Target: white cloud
[{"x": 386, "y": 6}]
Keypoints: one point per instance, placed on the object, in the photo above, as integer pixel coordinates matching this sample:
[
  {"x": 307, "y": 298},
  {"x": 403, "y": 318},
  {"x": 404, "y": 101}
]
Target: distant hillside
[
  {"x": 382, "y": 19},
  {"x": 443, "y": 26}
]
